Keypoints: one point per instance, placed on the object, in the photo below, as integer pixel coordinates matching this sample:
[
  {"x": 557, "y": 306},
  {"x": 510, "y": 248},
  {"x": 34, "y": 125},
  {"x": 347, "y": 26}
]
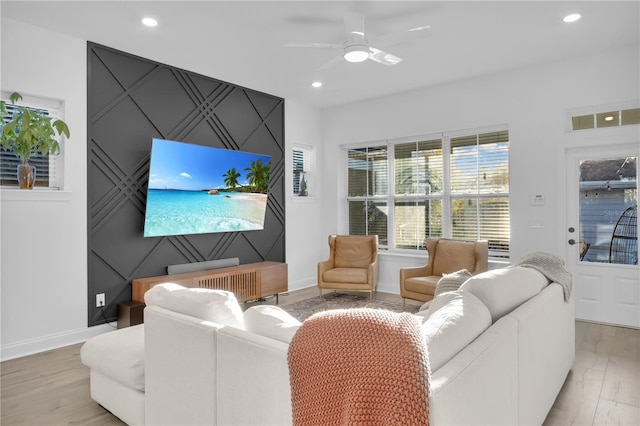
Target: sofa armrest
[
  {"x": 546, "y": 333},
  {"x": 180, "y": 368},
  {"x": 479, "y": 385},
  {"x": 253, "y": 378}
]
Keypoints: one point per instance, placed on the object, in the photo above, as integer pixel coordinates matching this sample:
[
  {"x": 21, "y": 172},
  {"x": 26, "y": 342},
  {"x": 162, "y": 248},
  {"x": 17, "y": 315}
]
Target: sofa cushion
[
  {"x": 451, "y": 282},
  {"x": 448, "y": 282},
  {"x": 218, "y": 306},
  {"x": 503, "y": 290},
  {"x": 118, "y": 354},
  {"x": 271, "y": 321},
  {"x": 452, "y": 321},
  {"x": 453, "y": 255},
  {"x": 353, "y": 251}
]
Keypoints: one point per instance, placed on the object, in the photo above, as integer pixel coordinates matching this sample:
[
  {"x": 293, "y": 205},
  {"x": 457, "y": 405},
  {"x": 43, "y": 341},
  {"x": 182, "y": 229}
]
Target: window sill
[
  {"x": 307, "y": 199},
  {"x": 36, "y": 194}
]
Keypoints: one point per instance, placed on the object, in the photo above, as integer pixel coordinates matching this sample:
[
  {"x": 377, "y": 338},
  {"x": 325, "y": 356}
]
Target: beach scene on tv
[{"x": 196, "y": 189}]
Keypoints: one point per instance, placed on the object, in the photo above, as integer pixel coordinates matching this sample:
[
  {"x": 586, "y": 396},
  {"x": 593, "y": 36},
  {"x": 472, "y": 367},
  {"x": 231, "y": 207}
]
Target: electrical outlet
[{"x": 100, "y": 300}]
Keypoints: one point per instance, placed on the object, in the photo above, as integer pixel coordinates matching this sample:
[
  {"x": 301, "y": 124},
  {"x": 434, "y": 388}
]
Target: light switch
[{"x": 537, "y": 200}]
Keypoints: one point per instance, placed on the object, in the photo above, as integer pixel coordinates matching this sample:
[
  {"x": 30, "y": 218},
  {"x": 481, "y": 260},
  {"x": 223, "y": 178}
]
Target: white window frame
[
  {"x": 446, "y": 197},
  {"x": 308, "y": 168},
  {"x": 56, "y": 111}
]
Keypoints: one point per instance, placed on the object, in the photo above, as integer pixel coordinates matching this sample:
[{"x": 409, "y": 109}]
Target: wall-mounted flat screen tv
[{"x": 196, "y": 189}]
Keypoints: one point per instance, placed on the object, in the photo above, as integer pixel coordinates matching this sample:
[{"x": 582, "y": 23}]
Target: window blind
[
  {"x": 367, "y": 188},
  {"x": 301, "y": 166},
  {"x": 479, "y": 167},
  {"x": 453, "y": 185},
  {"x": 418, "y": 189}
]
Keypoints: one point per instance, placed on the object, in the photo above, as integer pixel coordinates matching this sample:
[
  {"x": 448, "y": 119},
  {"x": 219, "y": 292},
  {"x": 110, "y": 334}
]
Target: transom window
[{"x": 453, "y": 185}]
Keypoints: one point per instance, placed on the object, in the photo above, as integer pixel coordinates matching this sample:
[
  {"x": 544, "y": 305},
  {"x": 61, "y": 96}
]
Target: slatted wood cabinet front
[{"x": 247, "y": 282}]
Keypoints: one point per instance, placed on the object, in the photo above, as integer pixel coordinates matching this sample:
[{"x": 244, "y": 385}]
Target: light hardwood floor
[{"x": 603, "y": 387}]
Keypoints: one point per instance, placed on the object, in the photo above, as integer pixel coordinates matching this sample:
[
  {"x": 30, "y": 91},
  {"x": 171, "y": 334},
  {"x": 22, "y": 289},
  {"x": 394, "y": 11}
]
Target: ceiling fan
[{"x": 356, "y": 48}]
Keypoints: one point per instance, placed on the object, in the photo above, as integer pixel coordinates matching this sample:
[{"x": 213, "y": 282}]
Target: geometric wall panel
[{"x": 132, "y": 100}]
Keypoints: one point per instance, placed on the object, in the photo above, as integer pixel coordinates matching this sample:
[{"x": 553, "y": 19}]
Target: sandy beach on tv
[{"x": 175, "y": 212}]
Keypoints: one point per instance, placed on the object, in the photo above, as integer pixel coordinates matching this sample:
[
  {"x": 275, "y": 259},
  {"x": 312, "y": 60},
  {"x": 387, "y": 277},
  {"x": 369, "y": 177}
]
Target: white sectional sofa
[{"x": 500, "y": 349}]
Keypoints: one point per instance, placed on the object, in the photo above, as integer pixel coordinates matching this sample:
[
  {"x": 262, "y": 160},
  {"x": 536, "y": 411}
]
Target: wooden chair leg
[
  {"x": 403, "y": 304},
  {"x": 320, "y": 292}
]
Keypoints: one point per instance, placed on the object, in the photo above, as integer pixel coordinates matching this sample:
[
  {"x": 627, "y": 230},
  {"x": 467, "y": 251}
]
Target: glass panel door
[{"x": 608, "y": 204}]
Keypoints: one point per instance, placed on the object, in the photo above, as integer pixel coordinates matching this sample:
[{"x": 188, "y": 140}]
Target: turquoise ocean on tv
[{"x": 175, "y": 212}]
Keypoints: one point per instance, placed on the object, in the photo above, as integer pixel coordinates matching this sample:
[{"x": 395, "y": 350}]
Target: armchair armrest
[
  {"x": 324, "y": 266},
  {"x": 415, "y": 271},
  {"x": 373, "y": 272}
]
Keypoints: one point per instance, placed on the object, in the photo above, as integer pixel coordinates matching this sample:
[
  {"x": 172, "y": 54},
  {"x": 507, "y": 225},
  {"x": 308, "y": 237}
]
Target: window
[
  {"x": 613, "y": 118},
  {"x": 301, "y": 168},
  {"x": 48, "y": 167},
  {"x": 450, "y": 185},
  {"x": 368, "y": 187}
]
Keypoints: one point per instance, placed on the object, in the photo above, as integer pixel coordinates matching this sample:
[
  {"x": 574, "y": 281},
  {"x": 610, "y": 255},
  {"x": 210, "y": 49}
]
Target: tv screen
[{"x": 195, "y": 189}]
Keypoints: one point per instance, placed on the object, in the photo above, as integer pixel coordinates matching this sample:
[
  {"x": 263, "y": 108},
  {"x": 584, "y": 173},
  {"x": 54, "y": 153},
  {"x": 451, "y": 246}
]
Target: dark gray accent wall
[{"x": 132, "y": 100}]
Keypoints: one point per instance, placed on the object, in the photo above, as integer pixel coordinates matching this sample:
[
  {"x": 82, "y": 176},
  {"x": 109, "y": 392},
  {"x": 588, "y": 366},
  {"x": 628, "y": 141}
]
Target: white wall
[
  {"x": 533, "y": 102},
  {"x": 304, "y": 215},
  {"x": 44, "y": 235}
]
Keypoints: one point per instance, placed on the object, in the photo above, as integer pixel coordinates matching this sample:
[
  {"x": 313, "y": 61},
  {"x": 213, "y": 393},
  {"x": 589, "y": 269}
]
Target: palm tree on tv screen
[
  {"x": 231, "y": 178},
  {"x": 258, "y": 175}
]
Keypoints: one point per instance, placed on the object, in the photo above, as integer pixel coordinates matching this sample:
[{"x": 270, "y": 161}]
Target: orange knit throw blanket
[{"x": 359, "y": 367}]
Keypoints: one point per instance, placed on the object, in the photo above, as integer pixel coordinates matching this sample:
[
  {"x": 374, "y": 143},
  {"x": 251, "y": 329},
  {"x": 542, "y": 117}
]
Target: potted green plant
[
  {"x": 28, "y": 133},
  {"x": 303, "y": 187}
]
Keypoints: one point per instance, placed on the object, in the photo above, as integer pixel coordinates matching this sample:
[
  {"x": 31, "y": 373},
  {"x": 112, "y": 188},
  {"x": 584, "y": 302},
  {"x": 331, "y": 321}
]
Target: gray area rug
[{"x": 305, "y": 308}]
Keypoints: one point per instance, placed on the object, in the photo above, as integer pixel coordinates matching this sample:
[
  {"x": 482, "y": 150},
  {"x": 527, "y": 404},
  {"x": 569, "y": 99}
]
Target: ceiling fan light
[
  {"x": 571, "y": 18},
  {"x": 356, "y": 53},
  {"x": 149, "y": 22}
]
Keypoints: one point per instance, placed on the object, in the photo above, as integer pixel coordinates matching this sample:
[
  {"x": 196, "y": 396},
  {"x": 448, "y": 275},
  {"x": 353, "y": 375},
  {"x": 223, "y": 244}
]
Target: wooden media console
[{"x": 247, "y": 282}]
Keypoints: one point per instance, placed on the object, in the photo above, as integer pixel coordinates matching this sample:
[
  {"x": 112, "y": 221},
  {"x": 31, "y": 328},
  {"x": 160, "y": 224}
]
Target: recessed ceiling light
[
  {"x": 571, "y": 18},
  {"x": 608, "y": 118},
  {"x": 149, "y": 22},
  {"x": 316, "y": 84}
]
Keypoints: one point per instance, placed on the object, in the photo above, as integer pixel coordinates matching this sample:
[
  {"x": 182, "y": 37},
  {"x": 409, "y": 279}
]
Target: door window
[{"x": 608, "y": 203}]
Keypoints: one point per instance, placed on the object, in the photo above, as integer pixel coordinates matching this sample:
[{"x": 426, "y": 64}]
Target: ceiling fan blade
[
  {"x": 383, "y": 57},
  {"x": 354, "y": 25},
  {"x": 331, "y": 62},
  {"x": 316, "y": 45},
  {"x": 406, "y": 36}
]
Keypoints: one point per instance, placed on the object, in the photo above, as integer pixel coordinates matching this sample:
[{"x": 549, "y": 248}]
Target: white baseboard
[
  {"x": 54, "y": 341},
  {"x": 303, "y": 283}
]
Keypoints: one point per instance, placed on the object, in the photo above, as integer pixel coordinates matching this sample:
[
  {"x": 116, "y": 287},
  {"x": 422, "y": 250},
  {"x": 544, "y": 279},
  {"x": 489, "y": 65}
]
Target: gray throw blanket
[{"x": 551, "y": 266}]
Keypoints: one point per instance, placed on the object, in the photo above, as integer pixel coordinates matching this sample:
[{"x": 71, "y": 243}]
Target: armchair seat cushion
[
  {"x": 426, "y": 285},
  {"x": 346, "y": 275}
]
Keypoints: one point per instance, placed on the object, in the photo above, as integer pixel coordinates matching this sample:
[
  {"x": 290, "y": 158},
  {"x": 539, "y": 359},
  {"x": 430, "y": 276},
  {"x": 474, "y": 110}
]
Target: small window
[
  {"x": 48, "y": 167},
  {"x": 611, "y": 118},
  {"x": 301, "y": 169},
  {"x": 630, "y": 116}
]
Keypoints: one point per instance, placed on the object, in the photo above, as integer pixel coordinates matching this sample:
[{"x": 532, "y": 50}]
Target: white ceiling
[{"x": 243, "y": 42}]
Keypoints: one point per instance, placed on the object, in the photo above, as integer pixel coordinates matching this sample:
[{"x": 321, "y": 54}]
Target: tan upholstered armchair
[
  {"x": 445, "y": 256},
  {"x": 352, "y": 264}
]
